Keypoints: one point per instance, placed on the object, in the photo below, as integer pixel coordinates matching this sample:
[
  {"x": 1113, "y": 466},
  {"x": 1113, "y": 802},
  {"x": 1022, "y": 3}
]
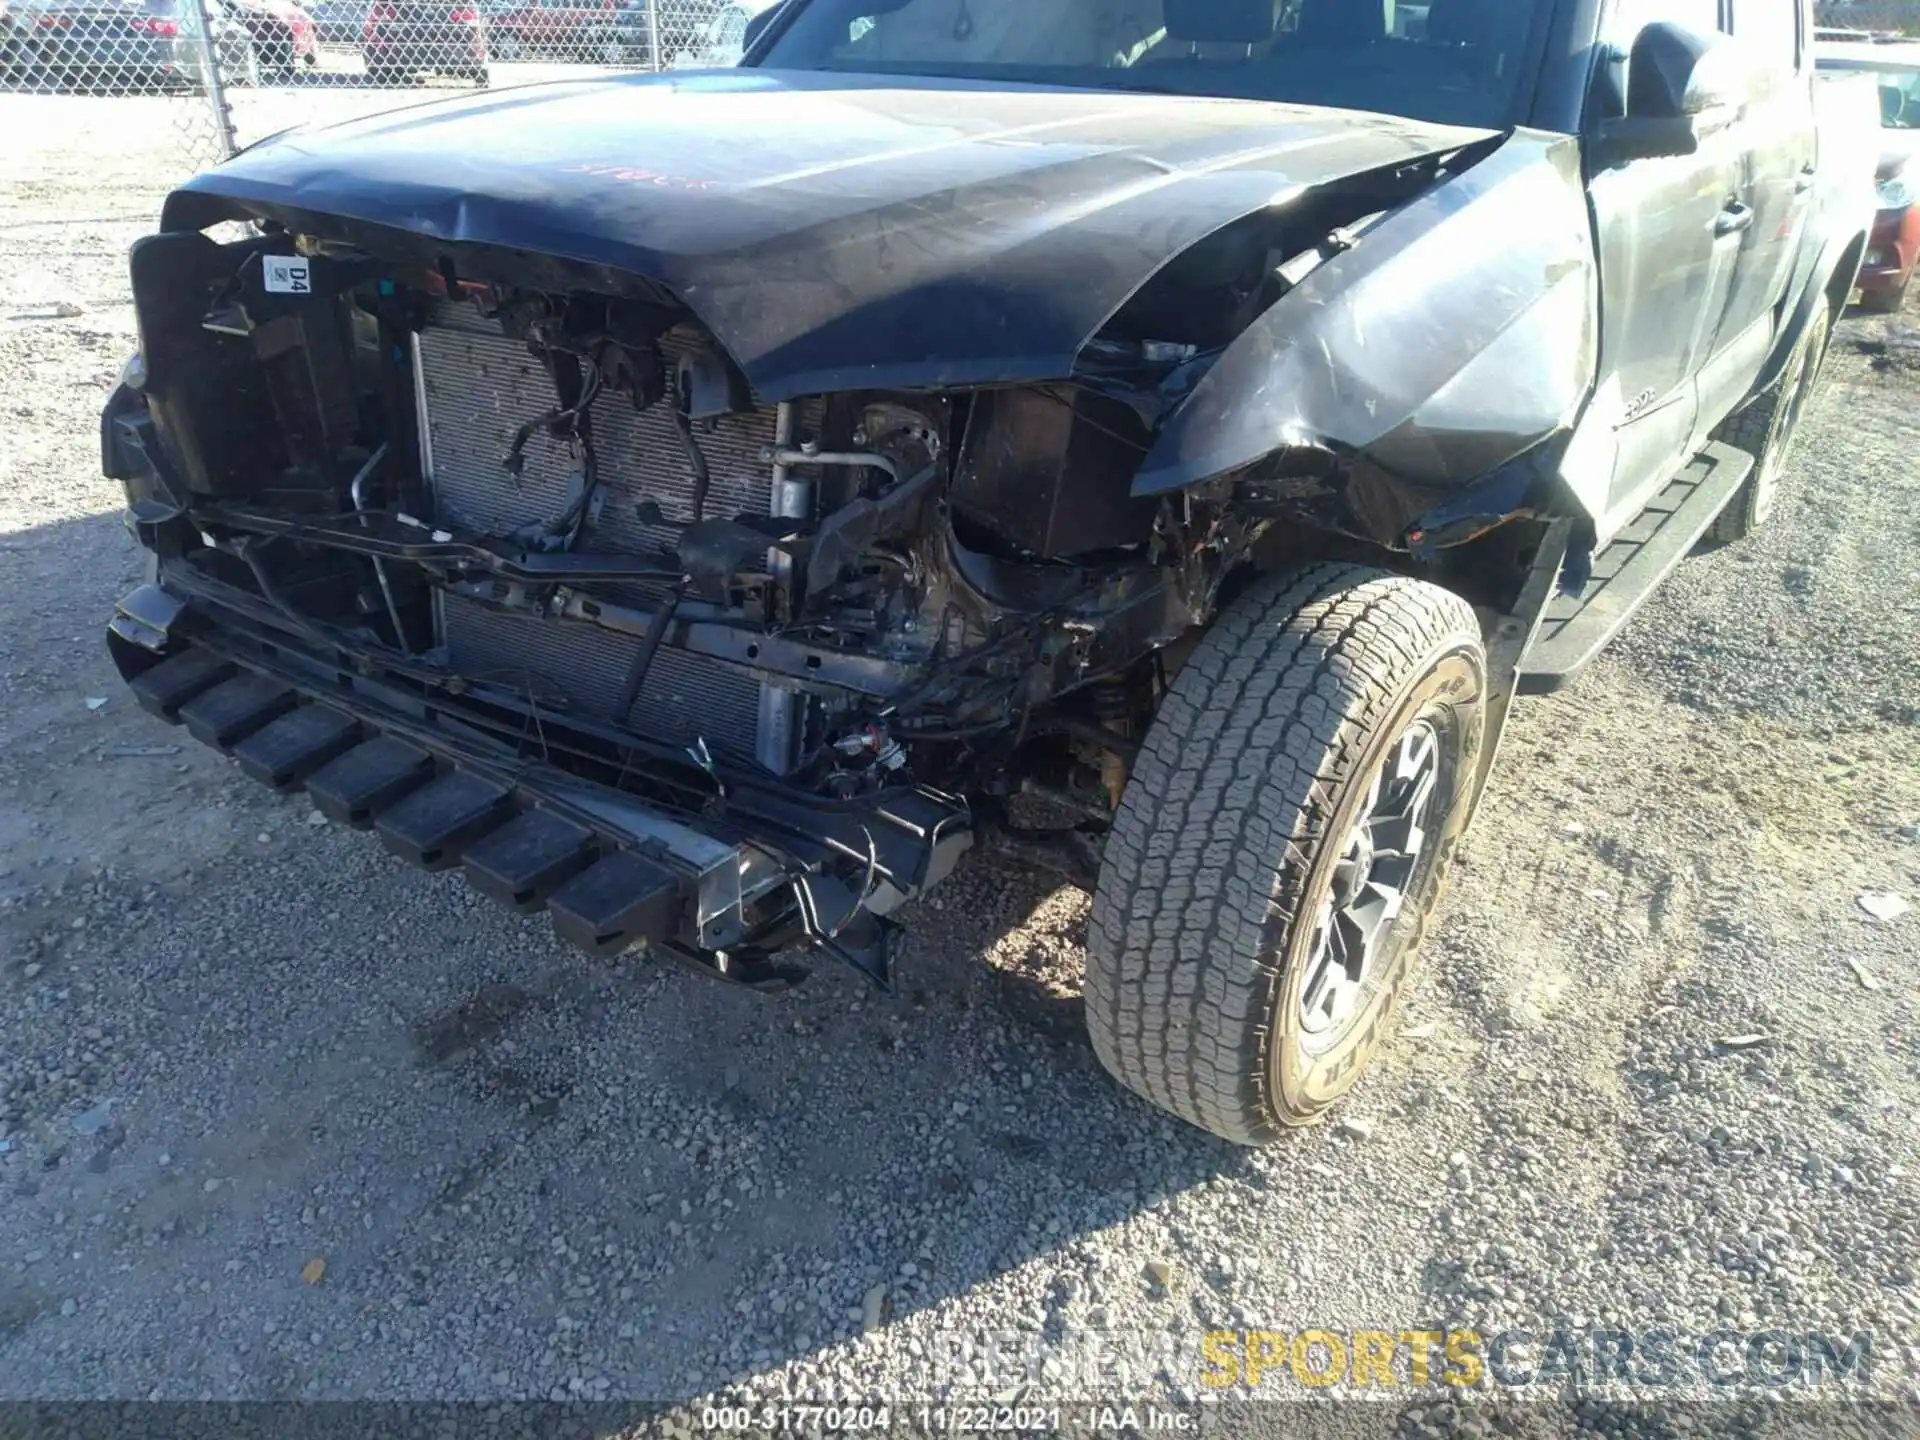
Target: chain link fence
[
  {"x": 229, "y": 72},
  {"x": 1875, "y": 17}
]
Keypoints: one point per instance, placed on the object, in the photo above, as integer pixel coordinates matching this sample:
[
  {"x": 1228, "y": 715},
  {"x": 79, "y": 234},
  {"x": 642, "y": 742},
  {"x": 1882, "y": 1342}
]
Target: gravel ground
[{"x": 282, "y": 1117}]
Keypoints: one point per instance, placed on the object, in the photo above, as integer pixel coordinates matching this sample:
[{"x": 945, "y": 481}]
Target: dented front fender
[{"x": 1458, "y": 334}]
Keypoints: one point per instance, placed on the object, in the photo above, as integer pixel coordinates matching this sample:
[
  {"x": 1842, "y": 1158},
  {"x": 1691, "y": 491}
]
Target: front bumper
[
  {"x": 738, "y": 884},
  {"x": 106, "y": 63},
  {"x": 1893, "y": 245},
  {"x": 443, "y": 53}
]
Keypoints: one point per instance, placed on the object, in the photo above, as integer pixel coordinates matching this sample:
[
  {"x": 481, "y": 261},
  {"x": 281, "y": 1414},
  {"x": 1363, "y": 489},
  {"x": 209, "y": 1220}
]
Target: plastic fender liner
[
  {"x": 1459, "y": 333},
  {"x": 1823, "y": 276}
]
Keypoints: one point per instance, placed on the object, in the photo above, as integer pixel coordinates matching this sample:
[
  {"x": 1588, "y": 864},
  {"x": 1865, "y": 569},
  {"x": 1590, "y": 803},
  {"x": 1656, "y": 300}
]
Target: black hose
[
  {"x": 649, "y": 647},
  {"x": 515, "y": 460},
  {"x": 684, "y": 424},
  {"x": 572, "y": 521}
]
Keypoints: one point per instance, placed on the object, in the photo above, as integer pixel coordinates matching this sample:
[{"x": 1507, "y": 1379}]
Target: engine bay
[{"x": 571, "y": 500}]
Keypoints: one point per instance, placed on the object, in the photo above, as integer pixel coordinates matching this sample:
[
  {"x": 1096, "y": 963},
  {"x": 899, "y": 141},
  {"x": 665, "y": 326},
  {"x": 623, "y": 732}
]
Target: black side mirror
[
  {"x": 757, "y": 24},
  {"x": 1681, "y": 87}
]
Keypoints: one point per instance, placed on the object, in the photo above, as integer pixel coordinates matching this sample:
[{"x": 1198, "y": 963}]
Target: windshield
[
  {"x": 1899, "y": 93},
  {"x": 1463, "y": 62}
]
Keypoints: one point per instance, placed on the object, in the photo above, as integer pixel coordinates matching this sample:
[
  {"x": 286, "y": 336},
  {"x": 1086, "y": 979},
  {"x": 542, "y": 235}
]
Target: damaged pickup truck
[{"x": 1156, "y": 438}]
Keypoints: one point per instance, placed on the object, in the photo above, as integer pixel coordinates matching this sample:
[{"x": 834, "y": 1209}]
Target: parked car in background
[
  {"x": 339, "y": 22},
  {"x": 405, "y": 40},
  {"x": 629, "y": 35},
  {"x": 1894, "y": 244},
  {"x": 114, "y": 47},
  {"x": 284, "y": 35},
  {"x": 719, "y": 42},
  {"x": 552, "y": 29}
]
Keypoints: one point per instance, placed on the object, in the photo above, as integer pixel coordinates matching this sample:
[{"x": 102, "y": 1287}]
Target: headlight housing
[{"x": 1896, "y": 192}]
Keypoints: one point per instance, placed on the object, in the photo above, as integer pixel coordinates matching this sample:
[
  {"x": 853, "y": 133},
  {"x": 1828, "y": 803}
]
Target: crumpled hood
[{"x": 831, "y": 230}]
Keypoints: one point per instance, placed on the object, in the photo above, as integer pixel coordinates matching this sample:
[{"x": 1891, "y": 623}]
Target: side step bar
[{"x": 1577, "y": 628}]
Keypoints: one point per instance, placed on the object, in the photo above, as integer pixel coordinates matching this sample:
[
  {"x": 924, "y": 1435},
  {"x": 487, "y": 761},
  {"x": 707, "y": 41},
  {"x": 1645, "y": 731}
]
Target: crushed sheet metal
[
  {"x": 1459, "y": 334},
  {"x": 833, "y": 231}
]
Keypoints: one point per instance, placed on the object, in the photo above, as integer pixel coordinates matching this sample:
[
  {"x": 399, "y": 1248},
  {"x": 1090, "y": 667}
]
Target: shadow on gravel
[{"x": 527, "y": 1173}]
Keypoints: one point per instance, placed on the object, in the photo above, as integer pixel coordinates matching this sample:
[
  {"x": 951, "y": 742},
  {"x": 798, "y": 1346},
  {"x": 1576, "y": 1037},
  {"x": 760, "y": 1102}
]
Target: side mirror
[
  {"x": 757, "y": 24},
  {"x": 1681, "y": 87}
]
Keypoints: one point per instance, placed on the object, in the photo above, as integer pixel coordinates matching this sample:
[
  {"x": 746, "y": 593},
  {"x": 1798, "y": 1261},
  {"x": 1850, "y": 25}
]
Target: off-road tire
[
  {"x": 1764, "y": 427},
  {"x": 1263, "y": 748}
]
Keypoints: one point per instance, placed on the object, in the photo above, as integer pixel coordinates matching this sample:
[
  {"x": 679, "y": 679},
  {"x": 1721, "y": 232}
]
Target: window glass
[
  {"x": 1899, "y": 94},
  {"x": 1627, "y": 18},
  {"x": 1465, "y": 62},
  {"x": 1770, "y": 29}
]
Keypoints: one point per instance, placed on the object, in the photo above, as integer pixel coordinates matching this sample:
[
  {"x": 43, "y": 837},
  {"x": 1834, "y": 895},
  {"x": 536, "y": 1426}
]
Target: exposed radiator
[
  {"x": 686, "y": 696},
  {"x": 479, "y": 386}
]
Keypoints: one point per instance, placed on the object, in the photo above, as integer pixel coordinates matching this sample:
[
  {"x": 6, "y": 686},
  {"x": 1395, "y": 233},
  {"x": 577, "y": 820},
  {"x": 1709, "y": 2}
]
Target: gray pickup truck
[{"x": 1156, "y": 440}]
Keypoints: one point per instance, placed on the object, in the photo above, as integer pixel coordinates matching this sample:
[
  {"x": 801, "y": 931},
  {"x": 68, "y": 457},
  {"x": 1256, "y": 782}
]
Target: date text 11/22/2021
[{"x": 945, "y": 1419}]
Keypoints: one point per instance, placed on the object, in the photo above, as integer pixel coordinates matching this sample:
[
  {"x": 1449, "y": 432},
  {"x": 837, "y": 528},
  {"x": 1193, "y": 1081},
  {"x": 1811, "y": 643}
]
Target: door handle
[{"x": 1732, "y": 220}]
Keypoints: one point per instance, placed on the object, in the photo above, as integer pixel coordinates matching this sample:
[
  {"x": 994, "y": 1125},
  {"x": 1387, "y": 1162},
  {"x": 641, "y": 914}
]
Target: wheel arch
[
  {"x": 1846, "y": 271},
  {"x": 1830, "y": 278}
]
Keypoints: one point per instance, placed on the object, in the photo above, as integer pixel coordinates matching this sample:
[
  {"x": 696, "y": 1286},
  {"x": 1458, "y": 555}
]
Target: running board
[{"x": 1574, "y": 629}]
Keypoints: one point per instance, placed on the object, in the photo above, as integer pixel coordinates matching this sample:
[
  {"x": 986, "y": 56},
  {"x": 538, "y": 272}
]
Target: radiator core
[{"x": 477, "y": 387}]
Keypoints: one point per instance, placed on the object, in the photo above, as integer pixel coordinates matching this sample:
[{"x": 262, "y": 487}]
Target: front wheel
[
  {"x": 1764, "y": 428},
  {"x": 1279, "y": 845},
  {"x": 392, "y": 73}
]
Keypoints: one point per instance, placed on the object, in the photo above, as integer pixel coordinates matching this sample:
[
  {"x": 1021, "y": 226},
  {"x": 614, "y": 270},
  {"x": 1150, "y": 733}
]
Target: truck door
[
  {"x": 1776, "y": 142},
  {"x": 1666, "y": 269}
]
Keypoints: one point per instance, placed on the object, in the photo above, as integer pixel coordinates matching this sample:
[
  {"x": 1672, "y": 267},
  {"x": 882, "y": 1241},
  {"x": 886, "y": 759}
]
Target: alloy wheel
[{"x": 1371, "y": 881}]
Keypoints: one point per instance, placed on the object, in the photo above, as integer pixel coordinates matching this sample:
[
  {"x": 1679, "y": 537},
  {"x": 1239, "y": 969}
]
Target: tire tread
[{"x": 1237, "y": 780}]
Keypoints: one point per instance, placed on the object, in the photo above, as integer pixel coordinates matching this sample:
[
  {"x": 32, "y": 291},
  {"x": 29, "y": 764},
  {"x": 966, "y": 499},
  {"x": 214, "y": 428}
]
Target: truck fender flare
[{"x": 1831, "y": 277}]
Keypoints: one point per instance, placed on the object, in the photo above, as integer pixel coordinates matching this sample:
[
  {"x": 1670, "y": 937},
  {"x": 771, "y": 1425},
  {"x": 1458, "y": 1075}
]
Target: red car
[
  {"x": 1893, "y": 246},
  {"x": 404, "y": 40},
  {"x": 284, "y": 36},
  {"x": 561, "y": 29}
]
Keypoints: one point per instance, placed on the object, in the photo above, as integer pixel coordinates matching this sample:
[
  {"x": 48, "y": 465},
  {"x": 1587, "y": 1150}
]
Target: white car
[{"x": 719, "y": 42}]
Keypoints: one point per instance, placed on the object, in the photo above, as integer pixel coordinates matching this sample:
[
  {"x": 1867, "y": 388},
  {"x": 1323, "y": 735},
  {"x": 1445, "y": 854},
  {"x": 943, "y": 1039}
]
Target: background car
[
  {"x": 285, "y": 37},
  {"x": 718, "y": 42},
  {"x": 338, "y": 22},
  {"x": 1893, "y": 247},
  {"x": 553, "y": 29},
  {"x": 680, "y": 25},
  {"x": 123, "y": 46},
  {"x": 405, "y": 40}
]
